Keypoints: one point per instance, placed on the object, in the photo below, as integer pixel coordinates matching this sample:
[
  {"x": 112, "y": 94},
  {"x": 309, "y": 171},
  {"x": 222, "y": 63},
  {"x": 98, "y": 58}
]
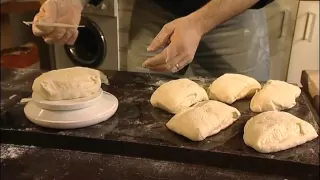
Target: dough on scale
[
  {"x": 202, "y": 120},
  {"x": 274, "y": 131},
  {"x": 177, "y": 95},
  {"x": 231, "y": 87},
  {"x": 69, "y": 83},
  {"x": 275, "y": 95}
]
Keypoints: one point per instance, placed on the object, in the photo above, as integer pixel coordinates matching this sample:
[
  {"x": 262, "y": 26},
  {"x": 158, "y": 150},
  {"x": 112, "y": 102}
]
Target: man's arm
[{"x": 218, "y": 11}]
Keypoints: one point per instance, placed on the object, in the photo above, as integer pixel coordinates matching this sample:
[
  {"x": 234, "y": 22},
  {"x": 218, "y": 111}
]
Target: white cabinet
[
  {"x": 305, "y": 45},
  {"x": 281, "y": 16}
]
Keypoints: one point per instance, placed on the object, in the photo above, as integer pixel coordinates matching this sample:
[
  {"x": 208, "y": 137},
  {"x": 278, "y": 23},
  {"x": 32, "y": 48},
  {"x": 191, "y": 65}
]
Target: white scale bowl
[
  {"x": 66, "y": 105},
  {"x": 70, "y": 114}
]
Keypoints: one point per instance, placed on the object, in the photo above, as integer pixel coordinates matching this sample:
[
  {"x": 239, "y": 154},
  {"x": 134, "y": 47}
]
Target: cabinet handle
[
  {"x": 284, "y": 22},
  {"x": 306, "y": 27}
]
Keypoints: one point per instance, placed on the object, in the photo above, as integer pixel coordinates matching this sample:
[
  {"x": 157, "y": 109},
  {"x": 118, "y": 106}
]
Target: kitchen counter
[
  {"x": 22, "y": 162},
  {"x": 137, "y": 130}
]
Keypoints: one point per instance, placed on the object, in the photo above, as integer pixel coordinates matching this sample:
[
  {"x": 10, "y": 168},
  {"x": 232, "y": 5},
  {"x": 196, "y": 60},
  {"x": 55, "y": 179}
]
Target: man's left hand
[{"x": 180, "y": 38}]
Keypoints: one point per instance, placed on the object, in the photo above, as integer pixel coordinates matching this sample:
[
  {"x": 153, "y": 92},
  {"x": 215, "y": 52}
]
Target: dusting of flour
[{"x": 12, "y": 152}]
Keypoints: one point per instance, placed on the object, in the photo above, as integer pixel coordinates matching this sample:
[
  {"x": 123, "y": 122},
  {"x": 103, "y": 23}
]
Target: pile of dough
[
  {"x": 177, "y": 95},
  {"x": 69, "y": 83},
  {"x": 231, "y": 87},
  {"x": 274, "y": 131},
  {"x": 275, "y": 95},
  {"x": 202, "y": 120}
]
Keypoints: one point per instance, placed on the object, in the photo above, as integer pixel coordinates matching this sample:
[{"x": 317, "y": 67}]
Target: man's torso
[{"x": 185, "y": 7}]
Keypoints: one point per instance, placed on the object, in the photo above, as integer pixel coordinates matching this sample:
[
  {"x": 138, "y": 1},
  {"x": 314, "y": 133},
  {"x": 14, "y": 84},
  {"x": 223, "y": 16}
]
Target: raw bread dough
[
  {"x": 274, "y": 131},
  {"x": 69, "y": 83},
  {"x": 202, "y": 120},
  {"x": 176, "y": 95},
  {"x": 275, "y": 95},
  {"x": 231, "y": 87}
]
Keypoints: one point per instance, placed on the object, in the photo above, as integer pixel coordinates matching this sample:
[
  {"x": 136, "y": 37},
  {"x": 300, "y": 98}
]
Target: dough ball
[
  {"x": 202, "y": 120},
  {"x": 69, "y": 83},
  {"x": 231, "y": 87},
  {"x": 274, "y": 131},
  {"x": 275, "y": 95},
  {"x": 176, "y": 95}
]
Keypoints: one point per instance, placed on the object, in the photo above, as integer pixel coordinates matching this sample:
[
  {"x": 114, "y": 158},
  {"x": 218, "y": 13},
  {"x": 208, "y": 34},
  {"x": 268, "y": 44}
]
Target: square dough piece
[
  {"x": 229, "y": 88},
  {"x": 177, "y": 95},
  {"x": 274, "y": 131},
  {"x": 68, "y": 83},
  {"x": 202, "y": 120},
  {"x": 275, "y": 95}
]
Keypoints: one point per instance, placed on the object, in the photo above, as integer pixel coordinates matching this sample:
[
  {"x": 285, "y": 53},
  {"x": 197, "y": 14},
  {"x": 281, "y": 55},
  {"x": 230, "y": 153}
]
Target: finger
[
  {"x": 40, "y": 30},
  {"x": 173, "y": 65},
  {"x": 157, "y": 59},
  {"x": 73, "y": 38},
  {"x": 55, "y": 36},
  {"x": 64, "y": 39},
  {"x": 162, "y": 38},
  {"x": 181, "y": 64},
  {"x": 164, "y": 56},
  {"x": 160, "y": 68}
]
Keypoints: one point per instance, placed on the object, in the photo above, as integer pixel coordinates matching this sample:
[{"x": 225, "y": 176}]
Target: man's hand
[
  {"x": 183, "y": 35},
  {"x": 180, "y": 39},
  {"x": 59, "y": 11}
]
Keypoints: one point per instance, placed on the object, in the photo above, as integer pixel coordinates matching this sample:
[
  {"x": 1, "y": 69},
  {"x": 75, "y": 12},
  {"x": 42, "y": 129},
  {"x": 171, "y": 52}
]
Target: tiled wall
[{"x": 124, "y": 11}]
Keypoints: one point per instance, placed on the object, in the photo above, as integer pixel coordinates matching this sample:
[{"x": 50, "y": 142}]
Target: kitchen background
[{"x": 293, "y": 34}]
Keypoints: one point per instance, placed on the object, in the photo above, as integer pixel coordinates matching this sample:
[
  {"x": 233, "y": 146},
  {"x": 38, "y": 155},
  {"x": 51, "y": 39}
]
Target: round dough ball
[{"x": 69, "y": 83}]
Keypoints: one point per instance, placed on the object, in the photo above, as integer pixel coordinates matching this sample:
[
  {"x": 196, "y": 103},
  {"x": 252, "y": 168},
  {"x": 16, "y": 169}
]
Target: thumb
[{"x": 162, "y": 38}]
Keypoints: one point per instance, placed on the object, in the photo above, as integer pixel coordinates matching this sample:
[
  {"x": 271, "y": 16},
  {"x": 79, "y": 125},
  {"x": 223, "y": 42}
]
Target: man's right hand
[{"x": 59, "y": 11}]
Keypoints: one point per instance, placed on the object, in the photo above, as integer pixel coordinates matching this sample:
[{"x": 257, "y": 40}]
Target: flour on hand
[
  {"x": 176, "y": 95},
  {"x": 274, "y": 131},
  {"x": 203, "y": 119},
  {"x": 229, "y": 88},
  {"x": 275, "y": 95},
  {"x": 69, "y": 83}
]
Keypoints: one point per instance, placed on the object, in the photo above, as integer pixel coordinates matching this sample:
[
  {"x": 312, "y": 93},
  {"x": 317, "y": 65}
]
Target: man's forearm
[{"x": 218, "y": 11}]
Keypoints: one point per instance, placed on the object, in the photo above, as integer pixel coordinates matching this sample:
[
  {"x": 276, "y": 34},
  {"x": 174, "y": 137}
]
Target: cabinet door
[
  {"x": 281, "y": 17},
  {"x": 305, "y": 46},
  {"x": 125, "y": 8}
]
